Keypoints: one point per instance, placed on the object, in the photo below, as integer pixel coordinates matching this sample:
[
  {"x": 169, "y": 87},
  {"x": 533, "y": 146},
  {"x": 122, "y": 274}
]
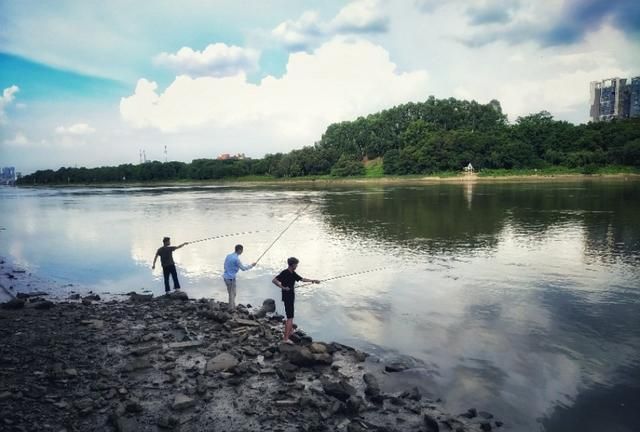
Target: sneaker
[{"x": 289, "y": 341}]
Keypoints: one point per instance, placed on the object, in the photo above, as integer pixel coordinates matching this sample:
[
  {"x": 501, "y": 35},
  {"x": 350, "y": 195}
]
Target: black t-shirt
[
  {"x": 288, "y": 279},
  {"x": 166, "y": 255}
]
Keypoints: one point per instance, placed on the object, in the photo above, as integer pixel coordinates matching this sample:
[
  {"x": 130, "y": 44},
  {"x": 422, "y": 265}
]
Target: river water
[{"x": 522, "y": 299}]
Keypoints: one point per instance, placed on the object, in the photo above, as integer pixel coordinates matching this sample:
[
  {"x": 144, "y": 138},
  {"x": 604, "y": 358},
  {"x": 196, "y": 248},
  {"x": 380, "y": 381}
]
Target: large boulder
[
  {"x": 177, "y": 295},
  {"x": 221, "y": 362},
  {"x": 340, "y": 390},
  {"x": 268, "y": 306}
]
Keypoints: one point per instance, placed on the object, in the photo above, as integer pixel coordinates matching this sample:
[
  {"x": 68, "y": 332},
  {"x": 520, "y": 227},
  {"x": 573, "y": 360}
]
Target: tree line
[{"x": 414, "y": 138}]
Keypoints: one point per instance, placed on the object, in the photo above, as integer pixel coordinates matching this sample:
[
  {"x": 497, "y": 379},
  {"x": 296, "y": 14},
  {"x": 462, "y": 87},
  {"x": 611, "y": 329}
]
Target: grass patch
[{"x": 374, "y": 168}]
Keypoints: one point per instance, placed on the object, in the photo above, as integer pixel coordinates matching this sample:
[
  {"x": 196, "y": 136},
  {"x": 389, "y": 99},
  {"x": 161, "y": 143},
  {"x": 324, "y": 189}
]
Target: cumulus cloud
[
  {"x": 77, "y": 129},
  {"x": 215, "y": 60},
  {"x": 547, "y": 22},
  {"x": 361, "y": 16},
  {"x": 301, "y": 33},
  {"x": 357, "y": 17},
  {"x": 8, "y": 96},
  {"x": 338, "y": 81}
]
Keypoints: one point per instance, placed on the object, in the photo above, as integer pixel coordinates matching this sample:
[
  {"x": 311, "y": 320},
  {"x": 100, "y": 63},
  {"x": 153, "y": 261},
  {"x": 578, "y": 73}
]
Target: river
[{"x": 522, "y": 299}]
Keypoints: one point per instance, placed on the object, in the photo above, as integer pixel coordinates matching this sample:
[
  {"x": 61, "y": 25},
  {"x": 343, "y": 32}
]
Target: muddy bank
[{"x": 170, "y": 363}]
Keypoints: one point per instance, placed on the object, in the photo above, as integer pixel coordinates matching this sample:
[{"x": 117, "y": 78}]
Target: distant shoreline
[{"x": 391, "y": 180}]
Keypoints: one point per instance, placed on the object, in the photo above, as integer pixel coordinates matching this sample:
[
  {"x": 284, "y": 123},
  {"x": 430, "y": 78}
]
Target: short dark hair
[
  {"x": 292, "y": 261},
  {"x": 239, "y": 247},
  {"x": 166, "y": 239}
]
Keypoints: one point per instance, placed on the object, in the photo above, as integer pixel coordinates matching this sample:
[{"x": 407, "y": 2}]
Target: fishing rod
[
  {"x": 283, "y": 231},
  {"x": 345, "y": 276},
  {"x": 227, "y": 235}
]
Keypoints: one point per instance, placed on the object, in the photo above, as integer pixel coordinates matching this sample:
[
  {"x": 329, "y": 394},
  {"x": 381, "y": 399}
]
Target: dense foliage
[{"x": 414, "y": 138}]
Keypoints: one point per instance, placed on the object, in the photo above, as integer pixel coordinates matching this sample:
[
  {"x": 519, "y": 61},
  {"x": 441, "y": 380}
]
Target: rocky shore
[{"x": 176, "y": 364}]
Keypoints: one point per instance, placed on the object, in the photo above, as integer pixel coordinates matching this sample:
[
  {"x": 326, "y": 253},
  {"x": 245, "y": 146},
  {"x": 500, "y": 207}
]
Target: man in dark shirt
[
  {"x": 286, "y": 280},
  {"x": 168, "y": 266}
]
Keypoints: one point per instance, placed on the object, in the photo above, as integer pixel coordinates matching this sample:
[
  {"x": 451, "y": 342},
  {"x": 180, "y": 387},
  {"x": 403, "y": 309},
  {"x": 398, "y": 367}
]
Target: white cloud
[
  {"x": 359, "y": 16},
  {"x": 6, "y": 99},
  {"x": 338, "y": 81},
  {"x": 301, "y": 33},
  {"x": 20, "y": 140},
  {"x": 76, "y": 129},
  {"x": 215, "y": 60}
]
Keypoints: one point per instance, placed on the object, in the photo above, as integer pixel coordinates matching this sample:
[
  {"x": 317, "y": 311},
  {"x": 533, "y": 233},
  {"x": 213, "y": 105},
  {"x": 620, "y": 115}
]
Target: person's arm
[
  {"x": 183, "y": 244},
  {"x": 245, "y": 267},
  {"x": 277, "y": 283},
  {"x": 315, "y": 281},
  {"x": 155, "y": 258}
]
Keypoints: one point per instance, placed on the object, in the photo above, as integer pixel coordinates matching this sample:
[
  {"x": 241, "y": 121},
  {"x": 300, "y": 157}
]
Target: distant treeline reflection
[{"x": 414, "y": 138}]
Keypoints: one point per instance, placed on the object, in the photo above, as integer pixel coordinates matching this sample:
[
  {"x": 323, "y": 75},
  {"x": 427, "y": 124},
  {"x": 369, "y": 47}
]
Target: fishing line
[
  {"x": 283, "y": 231},
  {"x": 344, "y": 276},
  {"x": 227, "y": 235}
]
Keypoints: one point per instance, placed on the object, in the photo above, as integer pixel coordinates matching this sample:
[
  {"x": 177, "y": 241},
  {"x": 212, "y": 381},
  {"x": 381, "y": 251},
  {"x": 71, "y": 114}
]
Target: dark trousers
[{"x": 170, "y": 270}]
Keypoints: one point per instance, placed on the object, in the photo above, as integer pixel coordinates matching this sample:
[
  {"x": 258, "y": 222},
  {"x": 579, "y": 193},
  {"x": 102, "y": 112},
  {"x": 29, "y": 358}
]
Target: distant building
[
  {"x": 227, "y": 156},
  {"x": 8, "y": 175},
  {"x": 614, "y": 98}
]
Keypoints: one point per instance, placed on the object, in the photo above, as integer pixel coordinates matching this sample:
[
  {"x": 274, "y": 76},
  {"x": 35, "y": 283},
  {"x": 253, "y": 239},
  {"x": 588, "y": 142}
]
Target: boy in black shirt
[
  {"x": 286, "y": 281},
  {"x": 168, "y": 266}
]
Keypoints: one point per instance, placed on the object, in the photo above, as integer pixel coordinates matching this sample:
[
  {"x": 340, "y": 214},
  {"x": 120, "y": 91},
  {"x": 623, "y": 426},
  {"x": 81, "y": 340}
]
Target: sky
[{"x": 93, "y": 83}]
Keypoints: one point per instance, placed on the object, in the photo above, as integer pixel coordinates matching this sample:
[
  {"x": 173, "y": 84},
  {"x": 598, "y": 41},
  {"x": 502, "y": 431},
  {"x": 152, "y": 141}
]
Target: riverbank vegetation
[{"x": 427, "y": 138}]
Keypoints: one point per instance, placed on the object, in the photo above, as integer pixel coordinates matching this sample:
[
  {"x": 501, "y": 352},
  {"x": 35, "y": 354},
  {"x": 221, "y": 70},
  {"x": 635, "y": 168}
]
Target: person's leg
[
  {"x": 165, "y": 273},
  {"x": 174, "y": 274},
  {"x": 288, "y": 325},
  {"x": 231, "y": 289}
]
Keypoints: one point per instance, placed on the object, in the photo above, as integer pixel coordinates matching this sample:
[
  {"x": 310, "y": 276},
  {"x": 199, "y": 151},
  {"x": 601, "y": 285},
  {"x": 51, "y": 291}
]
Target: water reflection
[{"x": 521, "y": 299}]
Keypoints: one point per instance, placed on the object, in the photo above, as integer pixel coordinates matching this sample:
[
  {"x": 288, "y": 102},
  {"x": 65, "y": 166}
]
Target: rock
[
  {"x": 431, "y": 424},
  {"x": 140, "y": 298},
  {"x": 97, "y": 324},
  {"x": 124, "y": 424},
  {"x": 142, "y": 350},
  {"x": 137, "y": 364},
  {"x": 413, "y": 394},
  {"x": 86, "y": 302},
  {"x": 268, "y": 306},
  {"x": 286, "y": 372},
  {"x": 325, "y": 359},
  {"x": 244, "y": 322},
  {"x": 354, "y": 405},
  {"x": 168, "y": 422},
  {"x": 485, "y": 415},
  {"x": 185, "y": 345},
  {"x": 299, "y": 356},
  {"x": 485, "y": 426},
  {"x": 92, "y": 297},
  {"x": 43, "y": 305},
  {"x": 5, "y": 395},
  {"x": 182, "y": 402},
  {"x": 221, "y": 362},
  {"x": 176, "y": 295},
  {"x": 359, "y": 356},
  {"x": 13, "y": 304},
  {"x": 340, "y": 390},
  {"x": 471, "y": 413},
  {"x": 71, "y": 372},
  {"x": 74, "y": 297},
  {"x": 396, "y": 367},
  {"x": 372, "y": 388},
  {"x": 133, "y": 406},
  {"x": 31, "y": 294},
  {"x": 318, "y": 348}
]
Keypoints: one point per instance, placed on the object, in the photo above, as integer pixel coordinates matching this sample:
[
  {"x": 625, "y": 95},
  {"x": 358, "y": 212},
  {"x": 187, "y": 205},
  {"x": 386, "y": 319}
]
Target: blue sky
[{"x": 91, "y": 83}]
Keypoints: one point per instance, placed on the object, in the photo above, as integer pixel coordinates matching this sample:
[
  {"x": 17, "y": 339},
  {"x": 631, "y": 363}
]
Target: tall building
[
  {"x": 8, "y": 175},
  {"x": 614, "y": 98},
  {"x": 634, "y": 97}
]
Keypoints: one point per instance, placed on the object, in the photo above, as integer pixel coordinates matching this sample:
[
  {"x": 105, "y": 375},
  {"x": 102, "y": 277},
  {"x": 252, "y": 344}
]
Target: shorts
[{"x": 289, "y": 299}]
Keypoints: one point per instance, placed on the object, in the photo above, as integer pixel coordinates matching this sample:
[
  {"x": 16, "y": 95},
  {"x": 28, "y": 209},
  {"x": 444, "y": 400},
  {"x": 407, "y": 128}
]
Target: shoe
[{"x": 289, "y": 341}]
